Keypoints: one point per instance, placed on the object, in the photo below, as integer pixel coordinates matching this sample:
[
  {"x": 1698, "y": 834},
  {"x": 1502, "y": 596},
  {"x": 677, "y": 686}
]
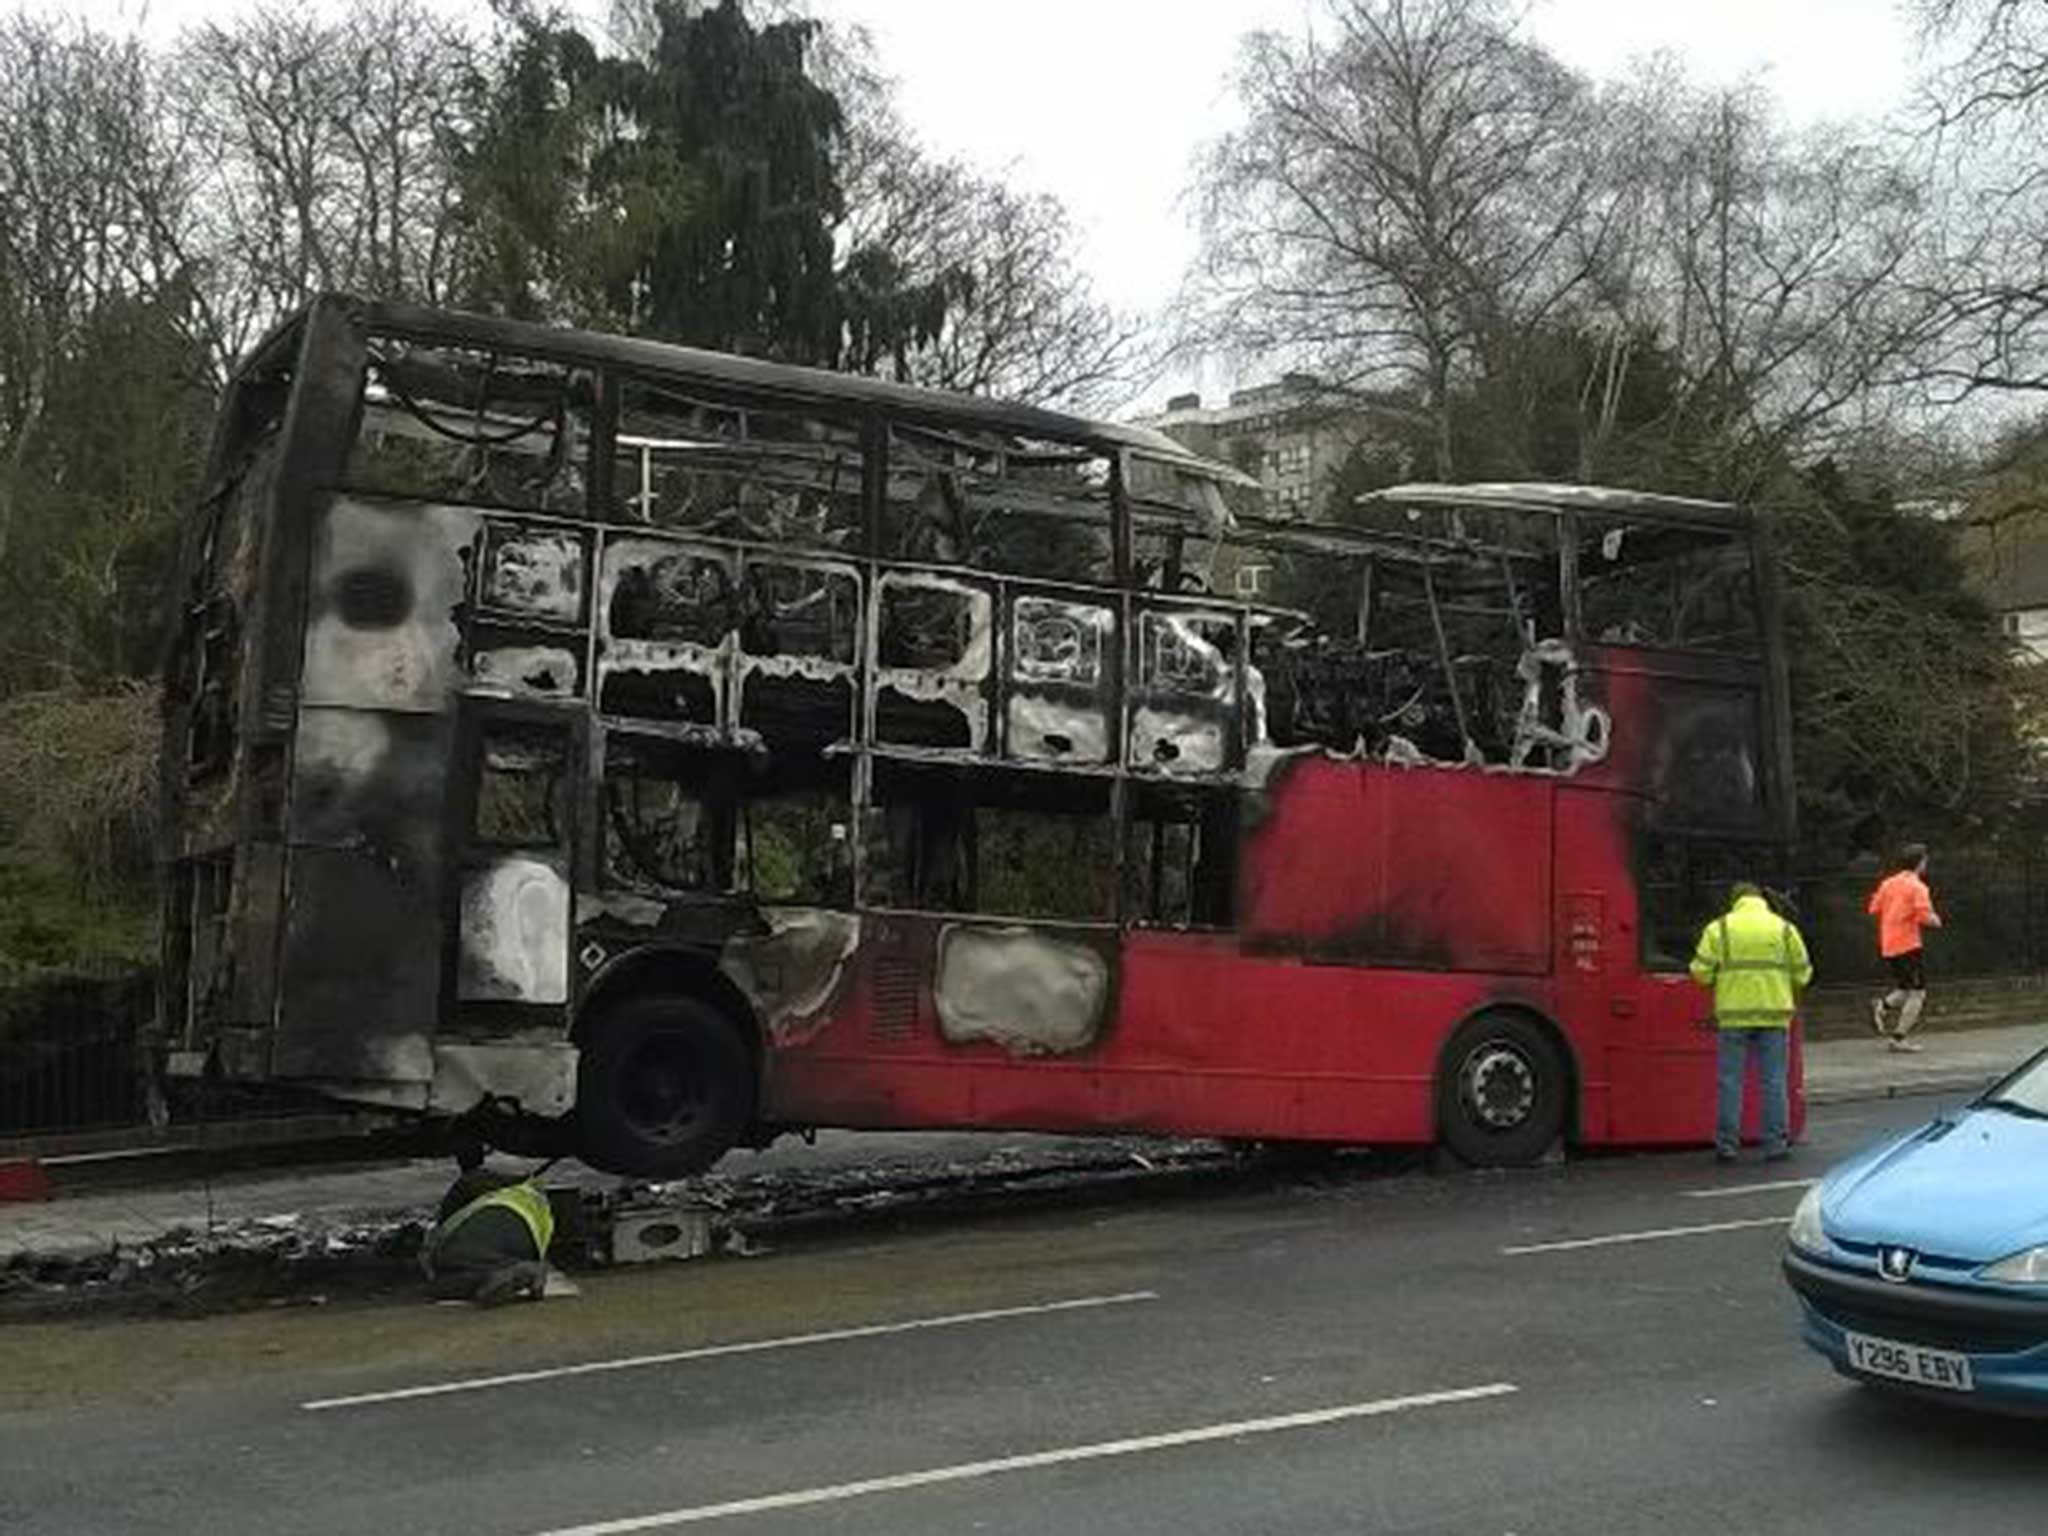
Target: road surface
[{"x": 1600, "y": 1347}]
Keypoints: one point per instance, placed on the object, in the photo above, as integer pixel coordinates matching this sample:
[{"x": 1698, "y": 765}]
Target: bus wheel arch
[
  {"x": 670, "y": 1069},
  {"x": 1506, "y": 1087}
]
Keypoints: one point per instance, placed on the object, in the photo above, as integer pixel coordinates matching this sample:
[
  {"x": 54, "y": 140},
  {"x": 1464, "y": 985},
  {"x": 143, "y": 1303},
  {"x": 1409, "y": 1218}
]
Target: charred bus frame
[{"x": 466, "y": 596}]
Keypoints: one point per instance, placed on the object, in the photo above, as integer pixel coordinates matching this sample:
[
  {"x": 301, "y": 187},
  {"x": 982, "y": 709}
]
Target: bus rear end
[
  {"x": 226, "y": 740},
  {"x": 324, "y": 925}
]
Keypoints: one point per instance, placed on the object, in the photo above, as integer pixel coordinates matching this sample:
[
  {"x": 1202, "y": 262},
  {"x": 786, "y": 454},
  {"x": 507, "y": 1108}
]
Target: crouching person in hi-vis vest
[
  {"x": 1755, "y": 964},
  {"x": 490, "y": 1243}
]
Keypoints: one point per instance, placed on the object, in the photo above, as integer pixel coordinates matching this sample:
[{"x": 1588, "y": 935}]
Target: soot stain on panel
[
  {"x": 388, "y": 587},
  {"x": 795, "y": 971}
]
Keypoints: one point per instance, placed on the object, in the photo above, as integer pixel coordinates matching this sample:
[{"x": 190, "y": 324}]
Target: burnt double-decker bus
[{"x": 637, "y": 751}]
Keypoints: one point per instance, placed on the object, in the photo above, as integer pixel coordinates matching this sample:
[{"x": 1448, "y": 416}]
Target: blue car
[{"x": 1922, "y": 1263}]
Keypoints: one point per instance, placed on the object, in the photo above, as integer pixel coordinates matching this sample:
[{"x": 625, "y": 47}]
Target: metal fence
[
  {"x": 72, "y": 1052},
  {"x": 1994, "y": 911}
]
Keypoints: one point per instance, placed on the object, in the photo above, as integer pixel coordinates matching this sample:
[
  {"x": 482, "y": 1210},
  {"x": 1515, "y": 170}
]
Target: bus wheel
[
  {"x": 664, "y": 1088},
  {"x": 1501, "y": 1098}
]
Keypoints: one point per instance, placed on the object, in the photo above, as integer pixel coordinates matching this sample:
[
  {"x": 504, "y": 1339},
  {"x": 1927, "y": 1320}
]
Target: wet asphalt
[{"x": 1347, "y": 1352}]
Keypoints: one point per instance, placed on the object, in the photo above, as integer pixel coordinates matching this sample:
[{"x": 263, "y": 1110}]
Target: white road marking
[
  {"x": 716, "y": 1351},
  {"x": 1725, "y": 1190},
  {"x": 969, "y": 1470},
  {"x": 1645, "y": 1237}
]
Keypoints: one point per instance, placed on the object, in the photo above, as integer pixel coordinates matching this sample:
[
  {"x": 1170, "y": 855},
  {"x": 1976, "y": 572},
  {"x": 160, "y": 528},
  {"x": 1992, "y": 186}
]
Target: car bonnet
[{"x": 1971, "y": 1187}]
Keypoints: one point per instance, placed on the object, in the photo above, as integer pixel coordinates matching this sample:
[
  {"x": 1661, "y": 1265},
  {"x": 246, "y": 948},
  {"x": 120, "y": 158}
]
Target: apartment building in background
[
  {"x": 2010, "y": 569},
  {"x": 1294, "y": 434}
]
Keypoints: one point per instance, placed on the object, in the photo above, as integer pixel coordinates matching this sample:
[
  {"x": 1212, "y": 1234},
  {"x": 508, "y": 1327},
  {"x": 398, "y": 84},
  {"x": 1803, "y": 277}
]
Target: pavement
[
  {"x": 1597, "y": 1348},
  {"x": 353, "y": 1196},
  {"x": 1842, "y": 1071}
]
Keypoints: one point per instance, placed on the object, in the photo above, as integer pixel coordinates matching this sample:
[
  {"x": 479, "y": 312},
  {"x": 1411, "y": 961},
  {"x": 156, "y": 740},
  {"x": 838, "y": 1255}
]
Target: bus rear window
[
  {"x": 522, "y": 789},
  {"x": 457, "y": 424},
  {"x": 1668, "y": 588}
]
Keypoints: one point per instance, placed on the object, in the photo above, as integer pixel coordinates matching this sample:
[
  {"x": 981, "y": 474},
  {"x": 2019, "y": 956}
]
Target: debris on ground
[{"x": 300, "y": 1259}]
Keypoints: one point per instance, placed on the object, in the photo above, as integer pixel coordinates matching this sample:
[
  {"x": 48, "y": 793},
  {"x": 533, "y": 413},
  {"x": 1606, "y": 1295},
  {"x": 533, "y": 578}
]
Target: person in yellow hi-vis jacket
[
  {"x": 1755, "y": 964},
  {"x": 490, "y": 1238}
]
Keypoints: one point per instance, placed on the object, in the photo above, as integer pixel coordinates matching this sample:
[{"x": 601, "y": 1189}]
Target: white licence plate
[{"x": 1909, "y": 1362}]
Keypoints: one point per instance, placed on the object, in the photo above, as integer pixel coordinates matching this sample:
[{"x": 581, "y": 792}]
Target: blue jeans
[{"x": 1737, "y": 1046}]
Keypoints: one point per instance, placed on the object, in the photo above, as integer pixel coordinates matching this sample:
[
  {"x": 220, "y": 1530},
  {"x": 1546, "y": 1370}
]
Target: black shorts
[{"x": 1908, "y": 974}]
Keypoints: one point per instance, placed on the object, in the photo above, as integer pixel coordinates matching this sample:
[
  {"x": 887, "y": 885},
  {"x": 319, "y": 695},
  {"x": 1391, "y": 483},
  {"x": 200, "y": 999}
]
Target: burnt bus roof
[
  {"x": 786, "y": 381},
  {"x": 1639, "y": 506}
]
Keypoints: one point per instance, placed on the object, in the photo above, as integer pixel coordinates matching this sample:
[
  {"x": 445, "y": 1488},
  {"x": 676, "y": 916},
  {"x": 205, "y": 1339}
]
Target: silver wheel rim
[{"x": 1498, "y": 1086}]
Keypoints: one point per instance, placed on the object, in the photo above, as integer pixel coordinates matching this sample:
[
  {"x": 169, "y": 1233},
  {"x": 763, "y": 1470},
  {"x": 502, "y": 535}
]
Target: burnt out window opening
[
  {"x": 676, "y": 596},
  {"x": 667, "y": 612},
  {"x": 772, "y": 476},
  {"x": 999, "y": 503},
  {"x": 1062, "y": 667},
  {"x": 999, "y": 844},
  {"x": 1673, "y": 588},
  {"x": 523, "y": 788},
  {"x": 1181, "y": 523},
  {"x": 230, "y": 526},
  {"x": 796, "y": 835},
  {"x": 754, "y": 648},
  {"x": 526, "y": 627},
  {"x": 671, "y": 816},
  {"x": 533, "y": 572},
  {"x": 931, "y": 624},
  {"x": 934, "y": 662},
  {"x": 256, "y": 410},
  {"x": 1424, "y": 640},
  {"x": 1706, "y": 762},
  {"x": 791, "y": 610},
  {"x": 1454, "y": 636},
  {"x": 1180, "y": 858},
  {"x": 214, "y": 638},
  {"x": 714, "y": 822},
  {"x": 1184, "y": 715},
  {"x": 798, "y": 662},
  {"x": 456, "y": 424},
  {"x": 1683, "y": 883}
]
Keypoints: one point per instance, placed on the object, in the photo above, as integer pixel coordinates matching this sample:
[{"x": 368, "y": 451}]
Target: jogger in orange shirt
[{"x": 1903, "y": 907}]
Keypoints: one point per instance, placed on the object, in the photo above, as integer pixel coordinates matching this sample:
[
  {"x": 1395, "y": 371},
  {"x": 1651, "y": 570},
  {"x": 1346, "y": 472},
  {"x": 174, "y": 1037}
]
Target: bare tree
[
  {"x": 1775, "y": 265},
  {"x": 1404, "y": 192},
  {"x": 88, "y": 196},
  {"x": 1998, "y": 59},
  {"x": 1984, "y": 109},
  {"x": 1011, "y": 312},
  {"x": 326, "y": 154}
]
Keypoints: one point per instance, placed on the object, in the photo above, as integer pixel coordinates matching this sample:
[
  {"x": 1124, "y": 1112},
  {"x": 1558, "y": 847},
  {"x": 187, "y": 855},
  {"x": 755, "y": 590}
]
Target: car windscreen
[{"x": 2025, "y": 1092}]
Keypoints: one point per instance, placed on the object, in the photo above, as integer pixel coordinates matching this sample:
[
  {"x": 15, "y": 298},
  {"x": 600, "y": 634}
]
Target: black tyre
[
  {"x": 1502, "y": 1091},
  {"x": 665, "y": 1087}
]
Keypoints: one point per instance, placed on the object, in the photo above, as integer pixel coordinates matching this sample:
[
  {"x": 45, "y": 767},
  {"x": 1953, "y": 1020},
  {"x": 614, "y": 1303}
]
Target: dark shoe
[
  {"x": 1779, "y": 1156},
  {"x": 1723, "y": 1158},
  {"x": 511, "y": 1282}
]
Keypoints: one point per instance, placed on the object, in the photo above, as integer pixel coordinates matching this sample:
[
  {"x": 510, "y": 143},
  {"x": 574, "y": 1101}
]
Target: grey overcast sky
[{"x": 1104, "y": 101}]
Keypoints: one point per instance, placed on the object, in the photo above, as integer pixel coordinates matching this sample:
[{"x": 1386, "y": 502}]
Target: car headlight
[
  {"x": 1805, "y": 1232},
  {"x": 2028, "y": 1268}
]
